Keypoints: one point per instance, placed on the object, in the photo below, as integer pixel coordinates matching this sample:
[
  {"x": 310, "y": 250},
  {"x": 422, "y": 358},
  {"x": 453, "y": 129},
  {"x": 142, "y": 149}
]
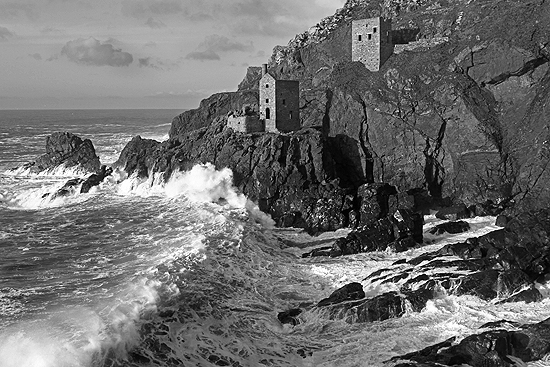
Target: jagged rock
[
  {"x": 490, "y": 348},
  {"x": 501, "y": 220},
  {"x": 138, "y": 156},
  {"x": 69, "y": 150},
  {"x": 453, "y": 213},
  {"x": 86, "y": 184},
  {"x": 293, "y": 176},
  {"x": 374, "y": 201},
  {"x": 290, "y": 316},
  {"x": 451, "y": 227},
  {"x": 398, "y": 232},
  {"x": 383, "y": 307},
  {"x": 349, "y": 292}
]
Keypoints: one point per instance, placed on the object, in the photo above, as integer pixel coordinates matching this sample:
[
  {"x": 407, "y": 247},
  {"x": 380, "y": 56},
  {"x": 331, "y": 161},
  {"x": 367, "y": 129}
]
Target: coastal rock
[
  {"x": 293, "y": 177},
  {"x": 453, "y": 213},
  {"x": 69, "y": 150},
  {"x": 71, "y": 185},
  {"x": 498, "y": 347},
  {"x": 451, "y": 227},
  {"x": 398, "y": 232},
  {"x": 351, "y": 291},
  {"x": 289, "y": 316}
]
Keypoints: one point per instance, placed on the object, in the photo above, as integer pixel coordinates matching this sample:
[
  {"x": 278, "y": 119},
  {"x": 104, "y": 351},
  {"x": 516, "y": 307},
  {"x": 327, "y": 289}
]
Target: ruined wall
[{"x": 245, "y": 124}]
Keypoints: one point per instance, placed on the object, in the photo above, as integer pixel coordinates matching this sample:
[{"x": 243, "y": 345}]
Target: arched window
[{"x": 267, "y": 113}]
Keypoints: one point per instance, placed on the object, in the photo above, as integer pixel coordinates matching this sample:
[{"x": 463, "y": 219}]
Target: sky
[{"x": 74, "y": 54}]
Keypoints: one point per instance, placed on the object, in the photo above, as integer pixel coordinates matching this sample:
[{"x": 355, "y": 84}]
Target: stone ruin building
[
  {"x": 371, "y": 42},
  {"x": 279, "y": 108}
]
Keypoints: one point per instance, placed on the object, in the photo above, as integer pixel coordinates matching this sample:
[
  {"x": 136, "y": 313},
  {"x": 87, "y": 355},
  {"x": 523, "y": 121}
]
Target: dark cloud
[
  {"x": 155, "y": 24},
  {"x": 203, "y": 55},
  {"x": 36, "y": 56},
  {"x": 140, "y": 8},
  {"x": 147, "y": 62},
  {"x": 5, "y": 34},
  {"x": 92, "y": 52}
]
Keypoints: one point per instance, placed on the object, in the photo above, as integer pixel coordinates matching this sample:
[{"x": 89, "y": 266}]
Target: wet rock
[
  {"x": 138, "y": 156},
  {"x": 453, "y": 213},
  {"x": 69, "y": 150},
  {"x": 289, "y": 316},
  {"x": 451, "y": 227},
  {"x": 351, "y": 291},
  {"x": 71, "y": 185},
  {"x": 491, "y": 348},
  {"x": 374, "y": 199},
  {"x": 501, "y": 220}
]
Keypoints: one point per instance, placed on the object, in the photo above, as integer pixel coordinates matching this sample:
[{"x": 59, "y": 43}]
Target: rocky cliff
[{"x": 461, "y": 109}]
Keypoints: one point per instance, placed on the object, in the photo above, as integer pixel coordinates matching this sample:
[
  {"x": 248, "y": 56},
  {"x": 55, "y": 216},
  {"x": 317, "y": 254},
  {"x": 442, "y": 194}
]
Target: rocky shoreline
[{"x": 459, "y": 127}]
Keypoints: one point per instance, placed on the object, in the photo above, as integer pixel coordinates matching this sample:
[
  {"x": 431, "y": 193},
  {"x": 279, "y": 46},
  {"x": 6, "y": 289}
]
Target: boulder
[
  {"x": 290, "y": 316},
  {"x": 453, "y": 213},
  {"x": 498, "y": 347},
  {"x": 451, "y": 227},
  {"x": 69, "y": 150},
  {"x": 349, "y": 292}
]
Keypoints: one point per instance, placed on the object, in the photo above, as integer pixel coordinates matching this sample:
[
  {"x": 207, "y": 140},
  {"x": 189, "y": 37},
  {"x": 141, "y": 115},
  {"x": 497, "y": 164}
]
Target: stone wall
[
  {"x": 267, "y": 102},
  {"x": 288, "y": 105},
  {"x": 245, "y": 124},
  {"x": 371, "y": 42}
]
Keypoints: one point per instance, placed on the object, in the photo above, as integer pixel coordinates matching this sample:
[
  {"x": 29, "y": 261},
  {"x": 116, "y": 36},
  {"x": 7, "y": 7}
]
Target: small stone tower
[
  {"x": 279, "y": 103},
  {"x": 371, "y": 42}
]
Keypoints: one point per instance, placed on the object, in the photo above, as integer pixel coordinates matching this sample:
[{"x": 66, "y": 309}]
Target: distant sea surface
[{"x": 182, "y": 271}]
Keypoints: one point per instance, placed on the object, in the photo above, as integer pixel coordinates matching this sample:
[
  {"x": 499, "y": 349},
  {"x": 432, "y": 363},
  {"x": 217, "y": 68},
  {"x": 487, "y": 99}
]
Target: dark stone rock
[
  {"x": 86, "y": 184},
  {"x": 289, "y": 316},
  {"x": 502, "y": 220},
  {"x": 374, "y": 199},
  {"x": 349, "y": 292},
  {"x": 138, "y": 156},
  {"x": 453, "y": 213},
  {"x": 451, "y": 227},
  {"x": 491, "y": 348},
  {"x": 69, "y": 150}
]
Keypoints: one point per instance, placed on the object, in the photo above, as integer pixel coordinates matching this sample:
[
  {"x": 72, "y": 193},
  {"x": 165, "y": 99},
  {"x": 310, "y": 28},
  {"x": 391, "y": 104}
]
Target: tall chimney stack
[{"x": 264, "y": 69}]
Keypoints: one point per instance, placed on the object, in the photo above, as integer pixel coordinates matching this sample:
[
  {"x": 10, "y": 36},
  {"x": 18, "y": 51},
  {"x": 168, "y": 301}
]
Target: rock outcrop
[
  {"x": 462, "y": 114},
  {"x": 69, "y": 150}
]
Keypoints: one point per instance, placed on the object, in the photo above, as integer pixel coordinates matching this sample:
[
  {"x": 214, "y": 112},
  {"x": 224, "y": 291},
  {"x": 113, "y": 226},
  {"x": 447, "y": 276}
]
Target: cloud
[
  {"x": 92, "y": 52},
  {"x": 5, "y": 34},
  {"x": 141, "y": 8},
  {"x": 203, "y": 55},
  {"x": 36, "y": 56},
  {"x": 219, "y": 43},
  {"x": 155, "y": 24},
  {"x": 186, "y": 93},
  {"x": 213, "y": 45},
  {"x": 150, "y": 44},
  {"x": 15, "y": 10},
  {"x": 51, "y": 30}
]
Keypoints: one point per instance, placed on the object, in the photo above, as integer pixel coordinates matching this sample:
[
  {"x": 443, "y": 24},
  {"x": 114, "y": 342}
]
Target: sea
[{"x": 185, "y": 271}]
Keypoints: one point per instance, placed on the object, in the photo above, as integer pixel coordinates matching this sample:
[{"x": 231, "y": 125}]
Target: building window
[
  {"x": 290, "y": 115},
  {"x": 267, "y": 113},
  {"x": 358, "y": 37},
  {"x": 284, "y": 102},
  {"x": 369, "y": 36},
  {"x": 267, "y": 100},
  {"x": 374, "y": 30},
  {"x": 267, "y": 85}
]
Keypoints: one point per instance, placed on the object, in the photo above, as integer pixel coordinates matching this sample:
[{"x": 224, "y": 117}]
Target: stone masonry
[{"x": 371, "y": 42}]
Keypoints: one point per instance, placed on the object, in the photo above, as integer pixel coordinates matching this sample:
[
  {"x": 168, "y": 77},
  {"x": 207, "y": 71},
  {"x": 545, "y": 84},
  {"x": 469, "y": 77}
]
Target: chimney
[{"x": 264, "y": 69}]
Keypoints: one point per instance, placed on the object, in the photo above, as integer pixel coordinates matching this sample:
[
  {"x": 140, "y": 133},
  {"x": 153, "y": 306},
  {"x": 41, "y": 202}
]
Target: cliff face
[
  {"x": 461, "y": 108},
  {"x": 293, "y": 177}
]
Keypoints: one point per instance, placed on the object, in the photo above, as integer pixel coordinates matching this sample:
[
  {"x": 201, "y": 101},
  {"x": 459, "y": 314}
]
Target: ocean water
[{"x": 183, "y": 273}]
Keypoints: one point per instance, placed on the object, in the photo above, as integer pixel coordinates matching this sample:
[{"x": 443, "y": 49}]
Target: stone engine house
[
  {"x": 371, "y": 42},
  {"x": 279, "y": 103}
]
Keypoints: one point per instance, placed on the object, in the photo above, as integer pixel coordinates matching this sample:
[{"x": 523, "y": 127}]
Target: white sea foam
[
  {"x": 60, "y": 171},
  {"x": 202, "y": 184}
]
